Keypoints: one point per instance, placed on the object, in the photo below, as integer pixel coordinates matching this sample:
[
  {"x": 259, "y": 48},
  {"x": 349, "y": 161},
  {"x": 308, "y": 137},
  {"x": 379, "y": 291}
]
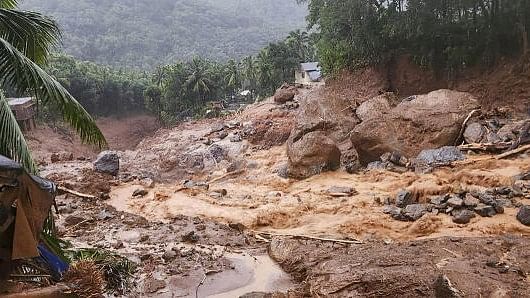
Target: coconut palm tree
[
  {"x": 26, "y": 39},
  {"x": 249, "y": 73},
  {"x": 232, "y": 77},
  {"x": 299, "y": 40},
  {"x": 198, "y": 82}
]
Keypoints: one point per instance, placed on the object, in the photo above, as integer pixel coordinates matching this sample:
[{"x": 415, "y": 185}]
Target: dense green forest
[
  {"x": 441, "y": 35},
  {"x": 446, "y": 36},
  {"x": 146, "y": 33},
  {"x": 183, "y": 89}
]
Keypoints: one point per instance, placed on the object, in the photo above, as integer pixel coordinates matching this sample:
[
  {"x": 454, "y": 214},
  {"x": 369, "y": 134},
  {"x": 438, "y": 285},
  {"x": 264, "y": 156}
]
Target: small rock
[
  {"x": 395, "y": 212},
  {"x": 237, "y": 226},
  {"x": 144, "y": 238},
  {"x": 147, "y": 182},
  {"x": 439, "y": 200},
  {"x": 104, "y": 215},
  {"x": 140, "y": 193},
  {"x": 376, "y": 165},
  {"x": 523, "y": 216},
  {"x": 404, "y": 198},
  {"x": 471, "y": 201},
  {"x": 217, "y": 127},
  {"x": 443, "y": 288},
  {"x": 462, "y": 216},
  {"x": 216, "y": 195},
  {"x": 73, "y": 220},
  {"x": 506, "y": 203},
  {"x": 341, "y": 191},
  {"x": 455, "y": 201},
  {"x": 118, "y": 245},
  {"x": 223, "y": 192},
  {"x": 169, "y": 255},
  {"x": 283, "y": 171},
  {"x": 235, "y": 139},
  {"x": 416, "y": 211},
  {"x": 222, "y": 135},
  {"x": 66, "y": 210},
  {"x": 189, "y": 183},
  {"x": 185, "y": 252},
  {"x": 190, "y": 237},
  {"x": 485, "y": 210},
  {"x": 152, "y": 285}
]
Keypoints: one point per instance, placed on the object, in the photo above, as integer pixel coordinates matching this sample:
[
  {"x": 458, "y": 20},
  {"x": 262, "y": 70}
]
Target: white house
[{"x": 308, "y": 73}]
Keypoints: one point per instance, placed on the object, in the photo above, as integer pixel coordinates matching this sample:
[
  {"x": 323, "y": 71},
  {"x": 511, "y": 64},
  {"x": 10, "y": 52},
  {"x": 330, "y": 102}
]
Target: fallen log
[
  {"x": 464, "y": 124},
  {"x": 487, "y": 147},
  {"x": 63, "y": 190},
  {"x": 513, "y": 152},
  {"x": 355, "y": 241},
  {"x": 226, "y": 175}
]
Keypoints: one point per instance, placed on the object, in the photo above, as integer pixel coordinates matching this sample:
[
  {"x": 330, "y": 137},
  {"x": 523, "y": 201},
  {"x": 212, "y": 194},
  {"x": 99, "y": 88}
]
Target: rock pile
[
  {"x": 494, "y": 131},
  {"x": 462, "y": 206}
]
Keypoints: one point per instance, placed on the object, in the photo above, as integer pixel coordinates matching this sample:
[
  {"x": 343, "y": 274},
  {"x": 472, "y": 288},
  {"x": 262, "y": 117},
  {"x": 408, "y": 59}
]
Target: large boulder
[
  {"x": 285, "y": 93},
  {"x": 108, "y": 162},
  {"x": 474, "y": 133},
  {"x": 311, "y": 154},
  {"x": 424, "y": 122},
  {"x": 376, "y": 106}
]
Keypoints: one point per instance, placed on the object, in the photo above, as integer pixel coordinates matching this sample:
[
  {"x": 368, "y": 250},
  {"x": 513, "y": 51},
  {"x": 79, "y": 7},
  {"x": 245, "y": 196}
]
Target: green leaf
[
  {"x": 22, "y": 74},
  {"x": 29, "y": 32},
  {"x": 12, "y": 141}
]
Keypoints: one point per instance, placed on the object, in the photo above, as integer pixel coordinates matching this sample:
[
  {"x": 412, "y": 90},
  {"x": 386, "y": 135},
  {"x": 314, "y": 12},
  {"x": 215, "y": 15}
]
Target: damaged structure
[{"x": 25, "y": 204}]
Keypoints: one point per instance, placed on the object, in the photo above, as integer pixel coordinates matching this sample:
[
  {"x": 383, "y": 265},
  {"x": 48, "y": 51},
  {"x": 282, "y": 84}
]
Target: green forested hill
[{"x": 145, "y": 33}]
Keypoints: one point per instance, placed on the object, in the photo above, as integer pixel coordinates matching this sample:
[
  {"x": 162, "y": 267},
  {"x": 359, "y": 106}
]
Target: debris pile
[{"x": 461, "y": 206}]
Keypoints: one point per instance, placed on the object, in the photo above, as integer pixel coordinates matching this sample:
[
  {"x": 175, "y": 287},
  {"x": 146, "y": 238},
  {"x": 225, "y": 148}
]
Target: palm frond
[
  {"x": 8, "y": 4},
  {"x": 29, "y": 32},
  {"x": 12, "y": 141},
  {"x": 22, "y": 74}
]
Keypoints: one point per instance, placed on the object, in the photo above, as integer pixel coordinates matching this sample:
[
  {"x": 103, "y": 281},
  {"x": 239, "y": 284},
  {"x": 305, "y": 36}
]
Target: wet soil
[{"x": 190, "y": 240}]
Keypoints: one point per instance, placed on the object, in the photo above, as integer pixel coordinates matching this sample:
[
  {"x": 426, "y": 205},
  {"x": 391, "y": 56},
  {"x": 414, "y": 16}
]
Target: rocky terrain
[{"x": 314, "y": 193}]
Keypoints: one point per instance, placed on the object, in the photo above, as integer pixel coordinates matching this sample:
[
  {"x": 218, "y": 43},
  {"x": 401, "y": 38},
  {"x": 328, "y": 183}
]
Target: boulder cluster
[{"x": 462, "y": 207}]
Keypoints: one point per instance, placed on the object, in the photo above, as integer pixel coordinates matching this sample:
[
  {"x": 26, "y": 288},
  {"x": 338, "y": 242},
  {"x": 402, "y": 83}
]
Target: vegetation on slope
[
  {"x": 184, "y": 88},
  {"x": 442, "y": 35},
  {"x": 145, "y": 33}
]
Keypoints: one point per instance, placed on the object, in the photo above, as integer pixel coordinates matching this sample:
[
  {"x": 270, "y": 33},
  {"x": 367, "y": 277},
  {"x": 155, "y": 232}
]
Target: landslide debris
[
  {"x": 421, "y": 122},
  {"x": 476, "y": 267}
]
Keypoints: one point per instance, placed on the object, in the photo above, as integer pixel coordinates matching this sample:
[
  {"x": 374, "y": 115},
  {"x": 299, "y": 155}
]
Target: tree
[
  {"x": 299, "y": 41},
  {"x": 198, "y": 82},
  {"x": 25, "y": 42},
  {"x": 249, "y": 73},
  {"x": 232, "y": 78}
]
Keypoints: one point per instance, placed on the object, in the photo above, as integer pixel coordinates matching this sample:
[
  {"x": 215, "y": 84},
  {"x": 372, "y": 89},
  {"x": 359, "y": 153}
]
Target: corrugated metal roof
[
  {"x": 19, "y": 101},
  {"x": 315, "y": 75},
  {"x": 309, "y": 66}
]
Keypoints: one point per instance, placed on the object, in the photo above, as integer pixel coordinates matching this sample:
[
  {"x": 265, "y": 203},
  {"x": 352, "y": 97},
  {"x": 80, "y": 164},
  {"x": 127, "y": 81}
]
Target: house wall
[{"x": 302, "y": 78}]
